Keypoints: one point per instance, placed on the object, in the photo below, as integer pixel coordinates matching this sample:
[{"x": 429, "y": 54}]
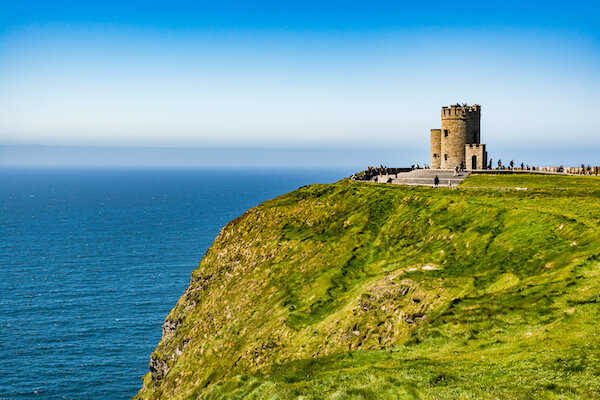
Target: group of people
[
  {"x": 511, "y": 166},
  {"x": 416, "y": 166},
  {"x": 459, "y": 168},
  {"x": 589, "y": 170},
  {"x": 374, "y": 172}
]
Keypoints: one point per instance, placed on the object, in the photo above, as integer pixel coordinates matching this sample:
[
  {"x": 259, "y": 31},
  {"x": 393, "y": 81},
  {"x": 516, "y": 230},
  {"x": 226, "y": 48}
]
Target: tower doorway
[{"x": 474, "y": 162}]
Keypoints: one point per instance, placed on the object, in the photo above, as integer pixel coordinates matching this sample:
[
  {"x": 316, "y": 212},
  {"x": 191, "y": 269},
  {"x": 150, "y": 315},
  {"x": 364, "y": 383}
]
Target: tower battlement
[{"x": 461, "y": 111}]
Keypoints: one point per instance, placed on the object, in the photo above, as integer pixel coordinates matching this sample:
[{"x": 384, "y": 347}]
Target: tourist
[
  {"x": 436, "y": 181},
  {"x": 512, "y": 164},
  {"x": 455, "y": 170}
]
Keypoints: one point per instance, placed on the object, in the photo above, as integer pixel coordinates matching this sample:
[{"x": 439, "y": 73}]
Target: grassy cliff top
[{"x": 359, "y": 290}]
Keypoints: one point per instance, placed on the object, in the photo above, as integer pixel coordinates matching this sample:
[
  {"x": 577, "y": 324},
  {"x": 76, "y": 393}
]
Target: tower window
[
  {"x": 434, "y": 155},
  {"x": 445, "y": 132},
  {"x": 446, "y": 157}
]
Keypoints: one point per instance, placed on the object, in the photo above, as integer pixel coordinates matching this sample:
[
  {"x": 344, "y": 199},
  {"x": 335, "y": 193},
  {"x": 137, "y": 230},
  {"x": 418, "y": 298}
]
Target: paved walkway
[{"x": 424, "y": 177}]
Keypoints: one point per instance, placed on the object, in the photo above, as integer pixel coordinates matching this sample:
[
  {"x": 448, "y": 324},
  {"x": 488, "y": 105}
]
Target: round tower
[{"x": 460, "y": 126}]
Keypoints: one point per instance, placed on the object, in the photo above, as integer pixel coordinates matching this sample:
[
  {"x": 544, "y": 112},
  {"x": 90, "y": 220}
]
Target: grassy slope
[{"x": 322, "y": 293}]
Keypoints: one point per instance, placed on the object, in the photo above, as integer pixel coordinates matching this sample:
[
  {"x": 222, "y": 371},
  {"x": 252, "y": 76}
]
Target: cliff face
[{"x": 364, "y": 290}]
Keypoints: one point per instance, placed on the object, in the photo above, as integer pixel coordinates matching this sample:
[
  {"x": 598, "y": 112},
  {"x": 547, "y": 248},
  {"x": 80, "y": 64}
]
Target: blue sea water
[{"x": 92, "y": 260}]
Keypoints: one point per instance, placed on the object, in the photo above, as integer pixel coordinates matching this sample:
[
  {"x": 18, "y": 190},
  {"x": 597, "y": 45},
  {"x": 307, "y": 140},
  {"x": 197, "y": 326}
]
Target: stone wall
[
  {"x": 477, "y": 151},
  {"x": 567, "y": 170},
  {"x": 436, "y": 149}
]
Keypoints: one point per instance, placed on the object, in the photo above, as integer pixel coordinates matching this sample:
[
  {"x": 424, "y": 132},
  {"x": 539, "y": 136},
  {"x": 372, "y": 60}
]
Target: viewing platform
[{"x": 423, "y": 177}]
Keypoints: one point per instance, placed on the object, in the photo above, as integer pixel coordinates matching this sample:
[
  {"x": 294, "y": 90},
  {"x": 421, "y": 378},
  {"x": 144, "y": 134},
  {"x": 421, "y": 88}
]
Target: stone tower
[
  {"x": 436, "y": 148},
  {"x": 459, "y": 139}
]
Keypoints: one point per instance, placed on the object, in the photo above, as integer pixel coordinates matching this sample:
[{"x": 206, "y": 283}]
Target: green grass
[
  {"x": 368, "y": 291},
  {"x": 534, "y": 181}
]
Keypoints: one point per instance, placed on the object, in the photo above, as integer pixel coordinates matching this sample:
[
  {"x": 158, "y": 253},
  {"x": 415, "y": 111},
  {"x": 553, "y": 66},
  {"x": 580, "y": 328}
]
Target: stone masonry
[
  {"x": 475, "y": 156},
  {"x": 436, "y": 148},
  {"x": 459, "y": 139}
]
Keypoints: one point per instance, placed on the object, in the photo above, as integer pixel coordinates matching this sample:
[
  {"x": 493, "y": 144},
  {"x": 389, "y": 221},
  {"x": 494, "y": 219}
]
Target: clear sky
[{"x": 297, "y": 74}]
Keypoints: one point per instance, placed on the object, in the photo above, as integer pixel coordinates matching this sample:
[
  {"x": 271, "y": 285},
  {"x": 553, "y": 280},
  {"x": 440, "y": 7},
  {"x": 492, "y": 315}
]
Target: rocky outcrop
[
  {"x": 169, "y": 328},
  {"x": 159, "y": 365},
  {"x": 158, "y": 368}
]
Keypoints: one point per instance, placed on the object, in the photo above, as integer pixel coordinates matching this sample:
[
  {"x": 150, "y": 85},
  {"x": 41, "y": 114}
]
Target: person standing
[{"x": 436, "y": 181}]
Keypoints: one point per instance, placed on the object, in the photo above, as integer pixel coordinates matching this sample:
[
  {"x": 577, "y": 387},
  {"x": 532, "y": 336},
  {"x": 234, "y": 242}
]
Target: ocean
[{"x": 92, "y": 261}]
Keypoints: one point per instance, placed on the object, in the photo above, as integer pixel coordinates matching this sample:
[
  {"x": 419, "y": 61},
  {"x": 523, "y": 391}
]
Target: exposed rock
[
  {"x": 169, "y": 328},
  {"x": 158, "y": 368}
]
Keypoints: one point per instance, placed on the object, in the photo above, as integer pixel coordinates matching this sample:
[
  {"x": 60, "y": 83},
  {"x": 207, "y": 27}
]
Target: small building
[{"x": 458, "y": 142}]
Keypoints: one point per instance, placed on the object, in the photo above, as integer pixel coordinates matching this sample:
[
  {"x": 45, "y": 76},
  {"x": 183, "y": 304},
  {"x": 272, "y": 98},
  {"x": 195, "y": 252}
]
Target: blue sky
[{"x": 297, "y": 74}]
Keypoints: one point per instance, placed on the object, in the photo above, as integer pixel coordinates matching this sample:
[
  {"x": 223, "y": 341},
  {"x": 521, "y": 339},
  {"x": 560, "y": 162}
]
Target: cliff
[{"x": 355, "y": 290}]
